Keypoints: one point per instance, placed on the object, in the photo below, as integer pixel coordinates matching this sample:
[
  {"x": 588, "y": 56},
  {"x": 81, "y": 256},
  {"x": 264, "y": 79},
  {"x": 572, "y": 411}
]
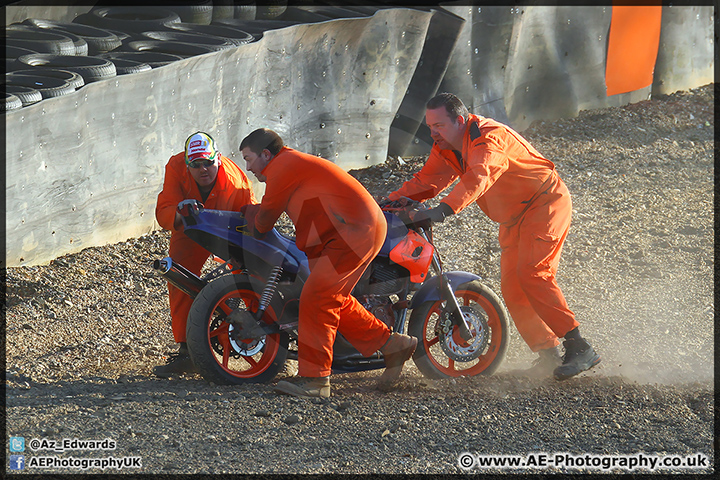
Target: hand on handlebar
[
  {"x": 425, "y": 218},
  {"x": 400, "y": 203},
  {"x": 188, "y": 206},
  {"x": 249, "y": 211}
]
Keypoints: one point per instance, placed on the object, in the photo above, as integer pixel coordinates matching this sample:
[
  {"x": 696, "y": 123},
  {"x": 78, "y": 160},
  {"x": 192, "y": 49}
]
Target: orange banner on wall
[{"x": 632, "y": 48}]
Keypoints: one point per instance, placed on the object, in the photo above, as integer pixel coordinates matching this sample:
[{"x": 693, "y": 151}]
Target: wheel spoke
[
  {"x": 223, "y": 338},
  {"x": 432, "y": 341},
  {"x": 221, "y": 330},
  {"x": 226, "y": 309},
  {"x": 226, "y": 352},
  {"x": 251, "y": 361}
]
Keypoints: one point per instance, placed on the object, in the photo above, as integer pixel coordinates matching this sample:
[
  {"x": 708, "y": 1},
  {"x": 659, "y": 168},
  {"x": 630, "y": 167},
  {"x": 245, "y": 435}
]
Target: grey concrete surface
[{"x": 686, "y": 55}]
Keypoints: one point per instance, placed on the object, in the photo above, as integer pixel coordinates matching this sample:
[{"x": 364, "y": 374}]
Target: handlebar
[
  {"x": 405, "y": 208},
  {"x": 188, "y": 210}
]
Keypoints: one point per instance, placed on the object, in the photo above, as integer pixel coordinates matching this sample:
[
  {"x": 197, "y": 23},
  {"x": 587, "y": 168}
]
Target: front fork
[{"x": 452, "y": 306}]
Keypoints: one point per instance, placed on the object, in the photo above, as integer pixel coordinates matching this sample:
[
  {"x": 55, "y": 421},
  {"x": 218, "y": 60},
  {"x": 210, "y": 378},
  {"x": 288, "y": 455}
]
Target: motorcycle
[{"x": 243, "y": 323}]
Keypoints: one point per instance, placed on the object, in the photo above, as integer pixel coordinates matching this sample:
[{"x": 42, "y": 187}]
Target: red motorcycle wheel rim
[
  {"x": 257, "y": 363},
  {"x": 484, "y": 361}
]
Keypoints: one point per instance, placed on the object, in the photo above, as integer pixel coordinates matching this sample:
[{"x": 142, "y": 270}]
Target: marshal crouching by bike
[{"x": 341, "y": 229}]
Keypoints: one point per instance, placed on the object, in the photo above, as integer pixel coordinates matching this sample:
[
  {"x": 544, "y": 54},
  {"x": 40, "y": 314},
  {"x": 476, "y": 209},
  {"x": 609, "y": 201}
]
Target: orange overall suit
[
  {"x": 341, "y": 229},
  {"x": 518, "y": 188},
  {"x": 231, "y": 191}
]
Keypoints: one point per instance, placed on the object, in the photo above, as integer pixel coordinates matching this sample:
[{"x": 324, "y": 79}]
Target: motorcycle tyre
[
  {"x": 499, "y": 320},
  {"x": 202, "y": 353}
]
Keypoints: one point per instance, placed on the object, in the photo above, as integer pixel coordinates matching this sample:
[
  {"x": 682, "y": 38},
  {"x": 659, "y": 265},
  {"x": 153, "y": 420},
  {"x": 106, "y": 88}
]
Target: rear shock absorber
[{"x": 269, "y": 290}]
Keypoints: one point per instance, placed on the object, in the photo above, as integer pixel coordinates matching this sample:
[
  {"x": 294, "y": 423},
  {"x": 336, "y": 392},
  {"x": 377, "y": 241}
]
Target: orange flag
[{"x": 632, "y": 47}]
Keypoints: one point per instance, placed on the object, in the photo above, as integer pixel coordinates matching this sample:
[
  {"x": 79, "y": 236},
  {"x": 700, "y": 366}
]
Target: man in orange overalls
[
  {"x": 199, "y": 174},
  {"x": 341, "y": 229},
  {"x": 518, "y": 188}
]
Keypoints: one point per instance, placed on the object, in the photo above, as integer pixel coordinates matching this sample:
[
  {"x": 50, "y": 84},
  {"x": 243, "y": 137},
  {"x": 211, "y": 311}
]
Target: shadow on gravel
[{"x": 98, "y": 391}]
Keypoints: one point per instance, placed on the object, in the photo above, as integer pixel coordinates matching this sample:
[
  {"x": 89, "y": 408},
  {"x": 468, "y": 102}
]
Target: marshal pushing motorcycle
[{"x": 243, "y": 324}]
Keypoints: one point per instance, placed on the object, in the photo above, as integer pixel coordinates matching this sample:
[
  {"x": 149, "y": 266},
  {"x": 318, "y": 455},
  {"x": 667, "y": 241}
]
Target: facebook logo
[
  {"x": 17, "y": 444},
  {"x": 17, "y": 462}
]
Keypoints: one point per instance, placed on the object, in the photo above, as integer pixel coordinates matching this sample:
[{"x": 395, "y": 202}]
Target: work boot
[
  {"x": 177, "y": 363},
  {"x": 544, "y": 365},
  {"x": 305, "y": 387},
  {"x": 579, "y": 356},
  {"x": 397, "y": 350}
]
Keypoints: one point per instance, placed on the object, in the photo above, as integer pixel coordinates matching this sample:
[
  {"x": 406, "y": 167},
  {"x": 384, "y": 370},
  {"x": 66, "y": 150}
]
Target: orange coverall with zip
[
  {"x": 518, "y": 188},
  {"x": 341, "y": 229},
  {"x": 231, "y": 191}
]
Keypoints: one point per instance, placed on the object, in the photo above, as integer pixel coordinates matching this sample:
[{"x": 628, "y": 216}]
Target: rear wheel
[
  {"x": 442, "y": 353},
  {"x": 214, "y": 348}
]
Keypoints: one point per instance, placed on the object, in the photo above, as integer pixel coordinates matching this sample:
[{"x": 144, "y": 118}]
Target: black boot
[
  {"x": 579, "y": 356},
  {"x": 543, "y": 366},
  {"x": 177, "y": 363}
]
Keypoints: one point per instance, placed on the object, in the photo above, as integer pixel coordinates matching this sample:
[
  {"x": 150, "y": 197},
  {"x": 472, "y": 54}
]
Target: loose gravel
[{"x": 83, "y": 333}]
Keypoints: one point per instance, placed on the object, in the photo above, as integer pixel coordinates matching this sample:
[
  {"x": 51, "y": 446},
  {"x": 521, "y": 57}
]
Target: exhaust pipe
[
  {"x": 179, "y": 276},
  {"x": 357, "y": 363}
]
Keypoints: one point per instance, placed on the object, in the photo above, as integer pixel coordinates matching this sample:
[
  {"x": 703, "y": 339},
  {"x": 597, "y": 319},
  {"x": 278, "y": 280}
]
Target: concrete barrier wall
[
  {"x": 520, "y": 64},
  {"x": 686, "y": 56},
  {"x": 85, "y": 169}
]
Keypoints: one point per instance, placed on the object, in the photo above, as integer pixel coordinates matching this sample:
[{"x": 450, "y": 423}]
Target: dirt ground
[{"x": 83, "y": 333}]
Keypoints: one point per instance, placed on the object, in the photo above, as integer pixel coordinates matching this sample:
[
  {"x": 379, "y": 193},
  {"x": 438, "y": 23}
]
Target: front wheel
[
  {"x": 219, "y": 355},
  {"x": 442, "y": 353}
]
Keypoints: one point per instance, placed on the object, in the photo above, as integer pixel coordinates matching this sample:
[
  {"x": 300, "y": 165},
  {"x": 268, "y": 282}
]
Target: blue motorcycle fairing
[
  {"x": 396, "y": 231},
  {"x": 430, "y": 291},
  {"x": 217, "y": 229}
]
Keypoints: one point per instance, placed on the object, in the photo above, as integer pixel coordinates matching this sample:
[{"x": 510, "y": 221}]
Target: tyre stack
[
  {"x": 162, "y": 35},
  {"x": 47, "y": 58}
]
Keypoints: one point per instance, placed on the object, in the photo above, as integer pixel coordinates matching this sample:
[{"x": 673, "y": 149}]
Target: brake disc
[
  {"x": 254, "y": 346},
  {"x": 245, "y": 335},
  {"x": 454, "y": 346}
]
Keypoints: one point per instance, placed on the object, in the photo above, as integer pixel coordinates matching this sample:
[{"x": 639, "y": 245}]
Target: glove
[
  {"x": 250, "y": 211},
  {"x": 188, "y": 206},
  {"x": 425, "y": 218},
  {"x": 400, "y": 203}
]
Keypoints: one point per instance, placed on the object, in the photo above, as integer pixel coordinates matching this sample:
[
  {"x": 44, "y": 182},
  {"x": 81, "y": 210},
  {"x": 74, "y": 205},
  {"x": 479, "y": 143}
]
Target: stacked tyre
[
  {"x": 45, "y": 58},
  {"x": 98, "y": 41}
]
